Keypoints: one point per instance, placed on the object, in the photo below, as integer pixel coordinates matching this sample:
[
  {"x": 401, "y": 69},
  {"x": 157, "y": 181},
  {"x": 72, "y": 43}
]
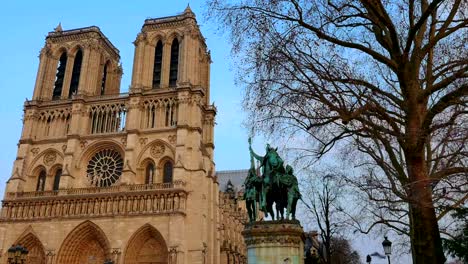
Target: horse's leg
[
  {"x": 289, "y": 206},
  {"x": 294, "y": 209},
  {"x": 249, "y": 210},
  {"x": 270, "y": 207}
]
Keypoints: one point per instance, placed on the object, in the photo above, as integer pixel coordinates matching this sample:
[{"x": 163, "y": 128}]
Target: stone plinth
[{"x": 274, "y": 242}]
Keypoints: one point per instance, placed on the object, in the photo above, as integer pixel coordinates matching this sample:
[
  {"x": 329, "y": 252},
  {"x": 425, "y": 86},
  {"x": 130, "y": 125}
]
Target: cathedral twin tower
[{"x": 128, "y": 177}]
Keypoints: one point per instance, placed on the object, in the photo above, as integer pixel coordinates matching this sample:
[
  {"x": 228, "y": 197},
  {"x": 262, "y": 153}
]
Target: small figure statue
[
  {"x": 293, "y": 193},
  {"x": 253, "y": 186}
]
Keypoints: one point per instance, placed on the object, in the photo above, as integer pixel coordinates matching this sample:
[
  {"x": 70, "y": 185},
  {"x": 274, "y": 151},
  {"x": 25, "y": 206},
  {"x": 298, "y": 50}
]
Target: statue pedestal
[{"x": 274, "y": 242}]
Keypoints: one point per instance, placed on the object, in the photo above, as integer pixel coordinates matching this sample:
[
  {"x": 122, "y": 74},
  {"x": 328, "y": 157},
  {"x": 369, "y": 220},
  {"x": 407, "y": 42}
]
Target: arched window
[
  {"x": 104, "y": 78},
  {"x": 59, "y": 76},
  {"x": 149, "y": 173},
  {"x": 75, "y": 79},
  {"x": 57, "y": 176},
  {"x": 167, "y": 173},
  {"x": 173, "y": 69},
  {"x": 157, "y": 65},
  {"x": 41, "y": 181}
]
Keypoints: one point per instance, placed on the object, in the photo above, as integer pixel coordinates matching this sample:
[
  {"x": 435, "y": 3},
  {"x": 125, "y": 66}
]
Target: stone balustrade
[{"x": 124, "y": 200}]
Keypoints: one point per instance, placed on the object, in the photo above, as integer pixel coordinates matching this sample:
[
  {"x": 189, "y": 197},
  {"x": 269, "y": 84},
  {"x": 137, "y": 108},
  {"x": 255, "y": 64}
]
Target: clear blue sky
[{"x": 25, "y": 24}]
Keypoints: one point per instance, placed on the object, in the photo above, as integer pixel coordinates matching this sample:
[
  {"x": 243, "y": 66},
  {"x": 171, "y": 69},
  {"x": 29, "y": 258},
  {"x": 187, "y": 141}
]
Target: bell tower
[
  {"x": 77, "y": 62},
  {"x": 171, "y": 52},
  {"x": 92, "y": 160}
]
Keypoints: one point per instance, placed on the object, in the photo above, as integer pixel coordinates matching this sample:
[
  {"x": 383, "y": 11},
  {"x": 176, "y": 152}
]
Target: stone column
[
  {"x": 68, "y": 75},
  {"x": 274, "y": 242}
]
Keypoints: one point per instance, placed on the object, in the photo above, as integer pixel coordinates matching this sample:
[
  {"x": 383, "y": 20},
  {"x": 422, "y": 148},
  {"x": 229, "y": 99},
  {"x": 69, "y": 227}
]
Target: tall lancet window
[
  {"x": 149, "y": 177},
  {"x": 59, "y": 77},
  {"x": 41, "y": 181},
  {"x": 75, "y": 79},
  {"x": 157, "y": 65},
  {"x": 104, "y": 79},
  {"x": 57, "y": 176},
  {"x": 173, "y": 69},
  {"x": 167, "y": 172}
]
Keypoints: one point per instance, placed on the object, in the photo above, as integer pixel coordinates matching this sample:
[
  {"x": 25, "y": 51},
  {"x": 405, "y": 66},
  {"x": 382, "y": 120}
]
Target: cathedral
[{"x": 102, "y": 176}]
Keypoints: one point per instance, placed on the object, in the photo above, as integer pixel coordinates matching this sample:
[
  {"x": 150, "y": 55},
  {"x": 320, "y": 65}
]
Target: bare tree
[
  {"x": 323, "y": 195},
  {"x": 387, "y": 79}
]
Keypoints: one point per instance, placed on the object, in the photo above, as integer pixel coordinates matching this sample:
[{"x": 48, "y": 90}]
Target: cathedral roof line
[
  {"x": 187, "y": 14},
  {"x": 59, "y": 34}
]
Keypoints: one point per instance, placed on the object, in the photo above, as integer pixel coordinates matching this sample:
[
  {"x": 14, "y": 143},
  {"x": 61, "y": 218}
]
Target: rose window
[{"x": 105, "y": 168}]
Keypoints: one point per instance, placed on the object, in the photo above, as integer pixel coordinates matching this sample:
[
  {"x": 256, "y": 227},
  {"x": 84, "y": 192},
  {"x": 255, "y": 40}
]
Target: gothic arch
[
  {"x": 35, "y": 247},
  {"x": 87, "y": 242},
  {"x": 146, "y": 245},
  {"x": 90, "y": 150},
  {"x": 57, "y": 52},
  {"x": 174, "y": 35},
  {"x": 72, "y": 52},
  {"x": 153, "y": 40},
  {"x": 166, "y": 169},
  {"x": 37, "y": 160},
  {"x": 144, "y": 151}
]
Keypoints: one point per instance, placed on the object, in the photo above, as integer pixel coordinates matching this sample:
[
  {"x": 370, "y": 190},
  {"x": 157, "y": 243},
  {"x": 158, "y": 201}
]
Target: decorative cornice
[{"x": 83, "y": 33}]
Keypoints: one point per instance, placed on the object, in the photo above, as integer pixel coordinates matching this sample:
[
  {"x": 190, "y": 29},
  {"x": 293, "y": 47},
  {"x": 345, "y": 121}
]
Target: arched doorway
[
  {"x": 146, "y": 246},
  {"x": 86, "y": 244},
  {"x": 36, "y": 249}
]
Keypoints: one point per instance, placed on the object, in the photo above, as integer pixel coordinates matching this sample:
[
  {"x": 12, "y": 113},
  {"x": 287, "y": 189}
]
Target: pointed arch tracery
[
  {"x": 174, "y": 66},
  {"x": 105, "y": 73},
  {"x": 59, "y": 76},
  {"x": 35, "y": 247},
  {"x": 76, "y": 72},
  {"x": 157, "y": 65},
  {"x": 146, "y": 245},
  {"x": 87, "y": 243}
]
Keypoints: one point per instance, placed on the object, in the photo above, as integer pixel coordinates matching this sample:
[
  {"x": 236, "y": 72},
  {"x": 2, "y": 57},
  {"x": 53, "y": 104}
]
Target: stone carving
[
  {"x": 143, "y": 141},
  {"x": 49, "y": 158},
  {"x": 172, "y": 139},
  {"x": 64, "y": 148},
  {"x": 83, "y": 143},
  {"x": 34, "y": 151},
  {"x": 157, "y": 150}
]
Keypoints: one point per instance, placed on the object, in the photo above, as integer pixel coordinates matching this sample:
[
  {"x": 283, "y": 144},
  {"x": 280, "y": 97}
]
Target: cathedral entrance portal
[
  {"x": 86, "y": 244},
  {"x": 36, "y": 249},
  {"x": 146, "y": 246}
]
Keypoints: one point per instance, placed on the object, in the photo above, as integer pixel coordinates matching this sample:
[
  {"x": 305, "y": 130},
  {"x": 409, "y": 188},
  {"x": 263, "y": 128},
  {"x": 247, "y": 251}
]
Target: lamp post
[
  {"x": 387, "y": 247},
  {"x": 17, "y": 254},
  {"x": 368, "y": 259}
]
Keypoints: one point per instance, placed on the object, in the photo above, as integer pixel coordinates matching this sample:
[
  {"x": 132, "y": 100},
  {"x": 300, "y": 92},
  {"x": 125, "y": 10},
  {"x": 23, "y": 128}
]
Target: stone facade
[{"x": 128, "y": 177}]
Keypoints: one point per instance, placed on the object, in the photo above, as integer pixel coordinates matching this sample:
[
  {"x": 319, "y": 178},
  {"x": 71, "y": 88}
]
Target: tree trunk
[{"x": 426, "y": 244}]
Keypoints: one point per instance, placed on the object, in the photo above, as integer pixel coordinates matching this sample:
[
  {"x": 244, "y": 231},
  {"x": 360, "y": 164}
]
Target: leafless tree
[
  {"x": 386, "y": 79},
  {"x": 322, "y": 195}
]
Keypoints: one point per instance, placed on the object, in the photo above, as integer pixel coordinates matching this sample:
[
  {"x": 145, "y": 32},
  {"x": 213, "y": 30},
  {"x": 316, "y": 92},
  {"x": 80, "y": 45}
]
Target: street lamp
[
  {"x": 387, "y": 247},
  {"x": 17, "y": 254},
  {"x": 368, "y": 259}
]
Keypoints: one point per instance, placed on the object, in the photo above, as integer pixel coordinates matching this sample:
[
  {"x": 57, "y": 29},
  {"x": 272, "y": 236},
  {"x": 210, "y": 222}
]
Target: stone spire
[
  {"x": 59, "y": 27},
  {"x": 188, "y": 11}
]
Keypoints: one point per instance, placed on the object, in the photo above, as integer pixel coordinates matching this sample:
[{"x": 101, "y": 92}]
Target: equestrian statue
[{"x": 276, "y": 185}]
